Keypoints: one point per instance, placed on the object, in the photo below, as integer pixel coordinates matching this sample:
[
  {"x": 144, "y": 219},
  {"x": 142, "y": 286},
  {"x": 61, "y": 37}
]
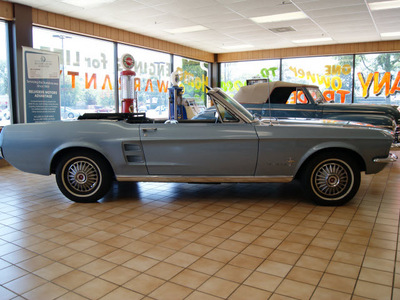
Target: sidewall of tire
[
  {"x": 105, "y": 175},
  {"x": 315, "y": 162}
]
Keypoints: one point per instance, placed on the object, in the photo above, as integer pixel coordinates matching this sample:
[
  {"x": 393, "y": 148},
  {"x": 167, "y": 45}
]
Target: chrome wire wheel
[
  {"x": 332, "y": 179},
  {"x": 81, "y": 176}
]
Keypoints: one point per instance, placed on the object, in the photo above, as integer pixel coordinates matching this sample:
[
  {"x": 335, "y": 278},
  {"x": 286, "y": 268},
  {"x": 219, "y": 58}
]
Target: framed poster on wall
[{"x": 41, "y": 85}]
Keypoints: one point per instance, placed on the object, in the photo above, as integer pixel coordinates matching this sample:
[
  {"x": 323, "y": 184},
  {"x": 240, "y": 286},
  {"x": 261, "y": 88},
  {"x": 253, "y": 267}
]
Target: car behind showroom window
[
  {"x": 87, "y": 71},
  {"x": 5, "y": 97}
]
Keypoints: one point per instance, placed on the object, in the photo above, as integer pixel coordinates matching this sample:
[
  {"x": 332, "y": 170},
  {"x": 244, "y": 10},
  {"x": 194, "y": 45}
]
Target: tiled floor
[{"x": 183, "y": 241}]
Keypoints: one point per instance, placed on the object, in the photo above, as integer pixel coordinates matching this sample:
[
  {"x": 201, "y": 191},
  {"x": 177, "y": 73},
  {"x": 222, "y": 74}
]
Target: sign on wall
[{"x": 41, "y": 85}]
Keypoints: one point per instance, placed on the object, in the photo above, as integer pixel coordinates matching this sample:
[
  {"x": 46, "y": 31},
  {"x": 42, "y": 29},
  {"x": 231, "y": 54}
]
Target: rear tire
[
  {"x": 331, "y": 179},
  {"x": 83, "y": 176}
]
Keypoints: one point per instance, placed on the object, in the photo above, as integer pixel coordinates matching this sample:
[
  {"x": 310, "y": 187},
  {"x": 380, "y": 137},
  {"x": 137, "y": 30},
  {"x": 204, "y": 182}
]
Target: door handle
[
  {"x": 149, "y": 129},
  {"x": 145, "y": 130}
]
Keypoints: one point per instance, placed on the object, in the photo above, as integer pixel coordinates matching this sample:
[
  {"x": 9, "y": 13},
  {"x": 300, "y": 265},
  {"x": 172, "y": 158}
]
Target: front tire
[
  {"x": 331, "y": 179},
  {"x": 83, "y": 176}
]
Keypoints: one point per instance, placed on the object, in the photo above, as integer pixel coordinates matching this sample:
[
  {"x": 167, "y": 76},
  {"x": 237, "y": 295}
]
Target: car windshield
[
  {"x": 236, "y": 105},
  {"x": 316, "y": 94}
]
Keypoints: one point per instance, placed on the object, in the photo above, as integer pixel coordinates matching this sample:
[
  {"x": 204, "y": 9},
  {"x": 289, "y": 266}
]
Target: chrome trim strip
[
  {"x": 391, "y": 158},
  {"x": 1, "y": 153},
  {"x": 205, "y": 179}
]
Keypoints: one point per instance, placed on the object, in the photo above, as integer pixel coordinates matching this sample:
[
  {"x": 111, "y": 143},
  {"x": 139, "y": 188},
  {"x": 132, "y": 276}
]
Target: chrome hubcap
[
  {"x": 82, "y": 176},
  {"x": 331, "y": 179}
]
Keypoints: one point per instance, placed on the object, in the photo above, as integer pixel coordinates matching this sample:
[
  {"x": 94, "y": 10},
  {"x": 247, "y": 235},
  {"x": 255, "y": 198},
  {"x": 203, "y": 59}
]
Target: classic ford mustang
[
  {"x": 89, "y": 153},
  {"x": 292, "y": 100}
]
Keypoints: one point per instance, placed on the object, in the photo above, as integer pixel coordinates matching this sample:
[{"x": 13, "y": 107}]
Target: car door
[{"x": 200, "y": 149}]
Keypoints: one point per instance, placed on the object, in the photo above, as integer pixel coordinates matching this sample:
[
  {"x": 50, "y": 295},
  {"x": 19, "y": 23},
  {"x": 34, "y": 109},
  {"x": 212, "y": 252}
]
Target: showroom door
[{"x": 200, "y": 149}]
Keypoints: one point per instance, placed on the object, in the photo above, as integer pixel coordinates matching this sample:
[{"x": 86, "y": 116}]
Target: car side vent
[{"x": 133, "y": 152}]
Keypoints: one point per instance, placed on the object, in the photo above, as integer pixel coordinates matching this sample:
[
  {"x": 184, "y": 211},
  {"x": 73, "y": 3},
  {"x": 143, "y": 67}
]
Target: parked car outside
[
  {"x": 88, "y": 154},
  {"x": 292, "y": 100},
  {"x": 69, "y": 113}
]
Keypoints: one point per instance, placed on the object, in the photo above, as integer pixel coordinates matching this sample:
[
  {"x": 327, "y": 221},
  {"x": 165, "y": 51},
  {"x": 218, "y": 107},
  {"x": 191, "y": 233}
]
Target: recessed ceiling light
[
  {"x": 390, "y": 34},
  {"x": 187, "y": 29},
  {"x": 384, "y": 5},
  {"x": 237, "y": 47},
  {"x": 87, "y": 3},
  {"x": 326, "y": 39},
  {"x": 280, "y": 17}
]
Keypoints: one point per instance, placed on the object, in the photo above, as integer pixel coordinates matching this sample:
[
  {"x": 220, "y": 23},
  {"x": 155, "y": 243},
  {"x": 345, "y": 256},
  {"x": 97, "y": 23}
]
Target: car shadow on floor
[{"x": 232, "y": 192}]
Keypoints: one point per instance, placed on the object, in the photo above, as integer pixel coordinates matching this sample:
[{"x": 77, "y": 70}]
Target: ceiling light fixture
[
  {"x": 317, "y": 40},
  {"x": 390, "y": 34},
  {"x": 87, "y": 3},
  {"x": 280, "y": 17},
  {"x": 187, "y": 29},
  {"x": 384, "y": 5}
]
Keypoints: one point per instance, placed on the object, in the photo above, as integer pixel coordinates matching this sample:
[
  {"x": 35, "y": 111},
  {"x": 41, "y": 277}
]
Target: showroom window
[
  {"x": 5, "y": 97},
  {"x": 151, "y": 83},
  {"x": 87, "y": 71},
  {"x": 333, "y": 75},
  {"x": 377, "y": 78},
  {"x": 193, "y": 77},
  {"x": 234, "y": 75}
]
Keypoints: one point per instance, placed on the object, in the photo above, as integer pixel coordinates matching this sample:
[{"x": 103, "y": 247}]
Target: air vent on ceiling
[{"x": 282, "y": 29}]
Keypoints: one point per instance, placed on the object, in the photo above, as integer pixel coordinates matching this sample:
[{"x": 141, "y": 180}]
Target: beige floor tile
[
  {"x": 304, "y": 275},
  {"x": 295, "y": 289},
  {"x": 207, "y": 266},
  {"x": 122, "y": 293},
  {"x": 338, "y": 283},
  {"x": 190, "y": 278},
  {"x": 46, "y": 291},
  {"x": 119, "y": 275},
  {"x": 327, "y": 294},
  {"x": 73, "y": 279},
  {"x": 372, "y": 290},
  {"x": 248, "y": 292},
  {"x": 25, "y": 283},
  {"x": 218, "y": 287},
  {"x": 233, "y": 273},
  {"x": 263, "y": 281},
  {"x": 171, "y": 291},
  {"x": 95, "y": 289},
  {"x": 144, "y": 284}
]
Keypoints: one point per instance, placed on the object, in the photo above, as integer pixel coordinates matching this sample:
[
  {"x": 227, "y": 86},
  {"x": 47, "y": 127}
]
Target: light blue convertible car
[{"x": 89, "y": 153}]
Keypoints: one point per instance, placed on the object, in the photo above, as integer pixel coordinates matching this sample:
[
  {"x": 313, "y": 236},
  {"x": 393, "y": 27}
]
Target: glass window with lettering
[
  {"x": 332, "y": 74},
  {"x": 87, "y": 71},
  {"x": 5, "y": 97},
  {"x": 150, "y": 82},
  {"x": 234, "y": 75},
  {"x": 192, "y": 77},
  {"x": 377, "y": 78}
]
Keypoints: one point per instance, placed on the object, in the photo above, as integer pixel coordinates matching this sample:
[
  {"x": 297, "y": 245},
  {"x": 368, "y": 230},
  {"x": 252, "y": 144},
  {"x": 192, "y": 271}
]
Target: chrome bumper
[{"x": 391, "y": 158}]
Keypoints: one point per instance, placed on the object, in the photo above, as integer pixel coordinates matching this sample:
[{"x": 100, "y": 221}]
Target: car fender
[
  {"x": 332, "y": 146},
  {"x": 70, "y": 146}
]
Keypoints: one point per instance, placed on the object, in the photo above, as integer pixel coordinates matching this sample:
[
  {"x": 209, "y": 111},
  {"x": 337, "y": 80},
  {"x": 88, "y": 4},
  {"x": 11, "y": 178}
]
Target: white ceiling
[{"x": 228, "y": 22}]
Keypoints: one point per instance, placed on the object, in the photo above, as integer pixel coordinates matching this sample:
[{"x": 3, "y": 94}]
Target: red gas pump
[{"x": 128, "y": 93}]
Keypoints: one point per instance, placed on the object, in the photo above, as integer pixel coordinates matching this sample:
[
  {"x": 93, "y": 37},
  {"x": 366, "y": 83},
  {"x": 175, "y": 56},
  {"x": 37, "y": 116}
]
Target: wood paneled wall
[
  {"x": 56, "y": 21},
  {"x": 6, "y": 10},
  {"x": 339, "y": 49}
]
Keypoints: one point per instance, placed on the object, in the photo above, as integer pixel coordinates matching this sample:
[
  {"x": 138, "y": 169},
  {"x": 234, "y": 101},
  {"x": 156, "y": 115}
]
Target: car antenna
[{"x": 269, "y": 103}]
